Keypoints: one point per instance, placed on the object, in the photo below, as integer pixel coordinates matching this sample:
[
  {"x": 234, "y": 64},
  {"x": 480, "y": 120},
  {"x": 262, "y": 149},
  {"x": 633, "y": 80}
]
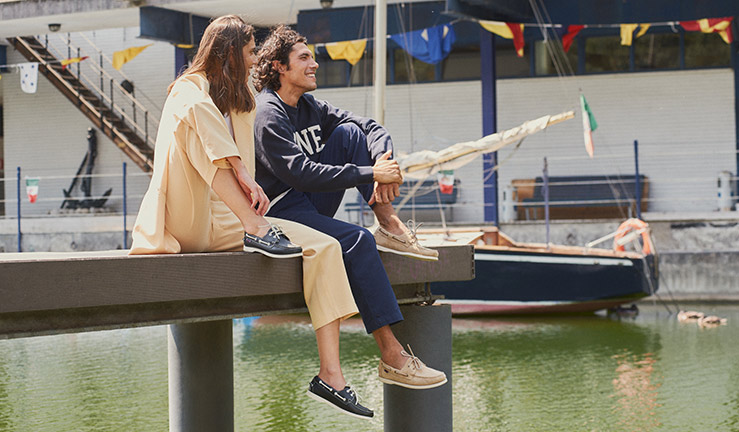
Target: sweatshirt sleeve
[
  {"x": 378, "y": 138},
  {"x": 278, "y": 152}
]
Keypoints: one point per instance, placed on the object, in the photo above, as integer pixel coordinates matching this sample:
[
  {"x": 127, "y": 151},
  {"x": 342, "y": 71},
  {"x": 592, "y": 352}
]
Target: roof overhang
[{"x": 593, "y": 11}]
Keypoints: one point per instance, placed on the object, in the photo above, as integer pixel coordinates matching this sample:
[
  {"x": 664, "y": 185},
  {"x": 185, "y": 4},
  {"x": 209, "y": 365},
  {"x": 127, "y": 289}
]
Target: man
[{"x": 308, "y": 153}]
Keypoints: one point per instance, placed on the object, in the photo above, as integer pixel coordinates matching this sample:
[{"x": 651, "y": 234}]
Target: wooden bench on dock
[
  {"x": 580, "y": 197},
  {"x": 198, "y": 295}
]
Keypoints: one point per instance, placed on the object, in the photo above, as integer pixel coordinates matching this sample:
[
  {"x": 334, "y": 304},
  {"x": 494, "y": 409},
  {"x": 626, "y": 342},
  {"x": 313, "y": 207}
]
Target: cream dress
[{"x": 180, "y": 213}]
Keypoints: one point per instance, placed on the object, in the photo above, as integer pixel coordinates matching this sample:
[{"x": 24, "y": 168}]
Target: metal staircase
[{"x": 105, "y": 96}]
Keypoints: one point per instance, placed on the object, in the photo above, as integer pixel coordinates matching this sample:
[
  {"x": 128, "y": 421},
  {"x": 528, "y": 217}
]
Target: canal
[{"x": 575, "y": 373}]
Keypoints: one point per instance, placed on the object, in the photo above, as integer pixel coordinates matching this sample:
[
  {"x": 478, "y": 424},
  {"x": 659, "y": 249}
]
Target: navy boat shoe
[
  {"x": 274, "y": 244},
  {"x": 345, "y": 400}
]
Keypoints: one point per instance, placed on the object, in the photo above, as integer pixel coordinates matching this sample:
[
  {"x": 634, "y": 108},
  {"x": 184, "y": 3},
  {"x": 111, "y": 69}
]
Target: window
[
  {"x": 706, "y": 50},
  {"x": 605, "y": 54},
  {"x": 657, "y": 51},
  {"x": 331, "y": 73},
  {"x": 508, "y": 64},
  {"x": 410, "y": 69},
  {"x": 543, "y": 58},
  {"x": 461, "y": 65},
  {"x": 362, "y": 73}
]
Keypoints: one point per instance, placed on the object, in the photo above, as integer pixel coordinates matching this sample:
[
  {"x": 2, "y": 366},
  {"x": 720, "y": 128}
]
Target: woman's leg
[
  {"x": 327, "y": 338},
  {"x": 228, "y": 189}
]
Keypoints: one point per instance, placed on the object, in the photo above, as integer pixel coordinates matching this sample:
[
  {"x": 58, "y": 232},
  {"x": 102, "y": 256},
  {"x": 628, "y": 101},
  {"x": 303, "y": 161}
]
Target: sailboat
[{"x": 526, "y": 278}]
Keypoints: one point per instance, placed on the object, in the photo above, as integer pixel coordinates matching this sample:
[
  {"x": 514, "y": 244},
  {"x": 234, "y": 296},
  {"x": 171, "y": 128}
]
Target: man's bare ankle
[
  {"x": 336, "y": 381},
  {"x": 392, "y": 225}
]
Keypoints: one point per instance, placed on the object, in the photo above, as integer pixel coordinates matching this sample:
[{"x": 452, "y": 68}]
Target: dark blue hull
[{"x": 527, "y": 282}]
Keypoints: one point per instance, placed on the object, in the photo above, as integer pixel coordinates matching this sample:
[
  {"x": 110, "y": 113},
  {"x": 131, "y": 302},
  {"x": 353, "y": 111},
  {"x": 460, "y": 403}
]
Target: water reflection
[
  {"x": 543, "y": 373},
  {"x": 635, "y": 392}
]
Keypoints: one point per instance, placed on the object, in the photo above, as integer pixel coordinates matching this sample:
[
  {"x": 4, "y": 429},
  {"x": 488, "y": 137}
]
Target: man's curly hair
[{"x": 277, "y": 46}]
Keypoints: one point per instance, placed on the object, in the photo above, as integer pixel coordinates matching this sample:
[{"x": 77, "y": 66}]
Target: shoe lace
[
  {"x": 415, "y": 361},
  {"x": 413, "y": 228},
  {"x": 276, "y": 230}
]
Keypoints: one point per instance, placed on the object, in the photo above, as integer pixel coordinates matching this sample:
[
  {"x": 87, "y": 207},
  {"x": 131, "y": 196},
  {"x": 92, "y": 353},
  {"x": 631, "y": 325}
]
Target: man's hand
[
  {"x": 387, "y": 179},
  {"x": 385, "y": 193},
  {"x": 386, "y": 170}
]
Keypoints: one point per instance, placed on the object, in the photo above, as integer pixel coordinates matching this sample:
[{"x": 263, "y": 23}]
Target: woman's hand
[{"x": 254, "y": 193}]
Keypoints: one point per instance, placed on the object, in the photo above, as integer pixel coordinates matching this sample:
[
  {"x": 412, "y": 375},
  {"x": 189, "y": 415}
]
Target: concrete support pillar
[
  {"x": 201, "y": 377},
  {"x": 428, "y": 330}
]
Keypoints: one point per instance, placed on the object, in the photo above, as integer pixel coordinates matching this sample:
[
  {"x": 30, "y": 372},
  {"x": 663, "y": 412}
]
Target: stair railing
[{"x": 108, "y": 88}]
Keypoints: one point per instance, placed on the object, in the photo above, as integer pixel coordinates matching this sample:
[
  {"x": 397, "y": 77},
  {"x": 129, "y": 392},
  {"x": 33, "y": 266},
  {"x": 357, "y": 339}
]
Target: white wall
[
  {"x": 46, "y": 135},
  {"x": 683, "y": 120}
]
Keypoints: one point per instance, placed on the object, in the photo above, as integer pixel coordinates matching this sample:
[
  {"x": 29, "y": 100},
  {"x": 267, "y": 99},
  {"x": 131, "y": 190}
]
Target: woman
[{"x": 202, "y": 196}]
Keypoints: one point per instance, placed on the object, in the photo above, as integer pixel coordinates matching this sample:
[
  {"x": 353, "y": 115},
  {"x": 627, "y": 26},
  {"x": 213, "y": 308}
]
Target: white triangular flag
[{"x": 29, "y": 77}]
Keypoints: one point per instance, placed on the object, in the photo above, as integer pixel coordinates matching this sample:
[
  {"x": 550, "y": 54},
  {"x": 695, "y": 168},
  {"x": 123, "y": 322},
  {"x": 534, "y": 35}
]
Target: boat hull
[{"x": 520, "y": 282}]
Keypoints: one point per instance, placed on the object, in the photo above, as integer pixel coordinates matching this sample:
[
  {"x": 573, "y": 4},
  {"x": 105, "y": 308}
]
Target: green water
[{"x": 590, "y": 373}]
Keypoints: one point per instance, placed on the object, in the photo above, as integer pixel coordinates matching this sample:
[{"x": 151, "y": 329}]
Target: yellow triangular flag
[
  {"x": 642, "y": 29},
  {"x": 499, "y": 28},
  {"x": 351, "y": 51},
  {"x": 312, "y": 49},
  {"x": 627, "y": 30},
  {"x": 69, "y": 61},
  {"x": 122, "y": 57}
]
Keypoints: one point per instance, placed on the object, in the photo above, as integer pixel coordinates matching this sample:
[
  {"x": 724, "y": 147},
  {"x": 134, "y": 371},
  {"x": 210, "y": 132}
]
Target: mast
[{"x": 380, "y": 58}]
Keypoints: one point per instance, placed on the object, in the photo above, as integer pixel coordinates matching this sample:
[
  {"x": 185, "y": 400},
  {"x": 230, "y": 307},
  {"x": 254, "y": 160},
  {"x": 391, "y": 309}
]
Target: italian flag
[
  {"x": 588, "y": 125},
  {"x": 446, "y": 181},
  {"x": 32, "y": 189}
]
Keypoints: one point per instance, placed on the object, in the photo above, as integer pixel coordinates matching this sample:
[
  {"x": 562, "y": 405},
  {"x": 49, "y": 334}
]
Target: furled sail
[{"x": 422, "y": 164}]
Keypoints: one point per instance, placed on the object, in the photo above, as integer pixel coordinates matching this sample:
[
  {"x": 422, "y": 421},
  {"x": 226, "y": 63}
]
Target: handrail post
[
  {"x": 637, "y": 181},
  {"x": 112, "y": 110},
  {"x": 125, "y": 210},
  {"x": 546, "y": 198},
  {"x": 79, "y": 80},
  {"x": 102, "y": 83},
  {"x": 18, "y": 193}
]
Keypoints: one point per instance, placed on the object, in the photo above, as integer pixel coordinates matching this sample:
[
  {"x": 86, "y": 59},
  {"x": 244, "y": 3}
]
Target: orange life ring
[{"x": 630, "y": 225}]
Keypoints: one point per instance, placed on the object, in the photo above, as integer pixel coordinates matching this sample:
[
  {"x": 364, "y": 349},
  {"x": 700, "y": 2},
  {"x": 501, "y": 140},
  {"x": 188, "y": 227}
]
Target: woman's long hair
[{"x": 220, "y": 58}]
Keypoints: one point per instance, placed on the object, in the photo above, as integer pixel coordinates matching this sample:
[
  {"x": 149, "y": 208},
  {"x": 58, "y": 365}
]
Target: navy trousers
[{"x": 369, "y": 282}]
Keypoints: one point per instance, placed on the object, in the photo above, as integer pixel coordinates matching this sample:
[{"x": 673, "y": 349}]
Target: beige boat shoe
[
  {"x": 413, "y": 375},
  {"x": 406, "y": 244}
]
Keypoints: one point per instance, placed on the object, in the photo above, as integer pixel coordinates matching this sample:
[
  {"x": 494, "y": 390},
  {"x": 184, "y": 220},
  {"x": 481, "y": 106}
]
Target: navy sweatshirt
[{"x": 288, "y": 142}]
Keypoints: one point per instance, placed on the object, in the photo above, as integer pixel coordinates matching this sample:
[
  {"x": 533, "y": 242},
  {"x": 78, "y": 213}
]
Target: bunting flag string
[{"x": 507, "y": 31}]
